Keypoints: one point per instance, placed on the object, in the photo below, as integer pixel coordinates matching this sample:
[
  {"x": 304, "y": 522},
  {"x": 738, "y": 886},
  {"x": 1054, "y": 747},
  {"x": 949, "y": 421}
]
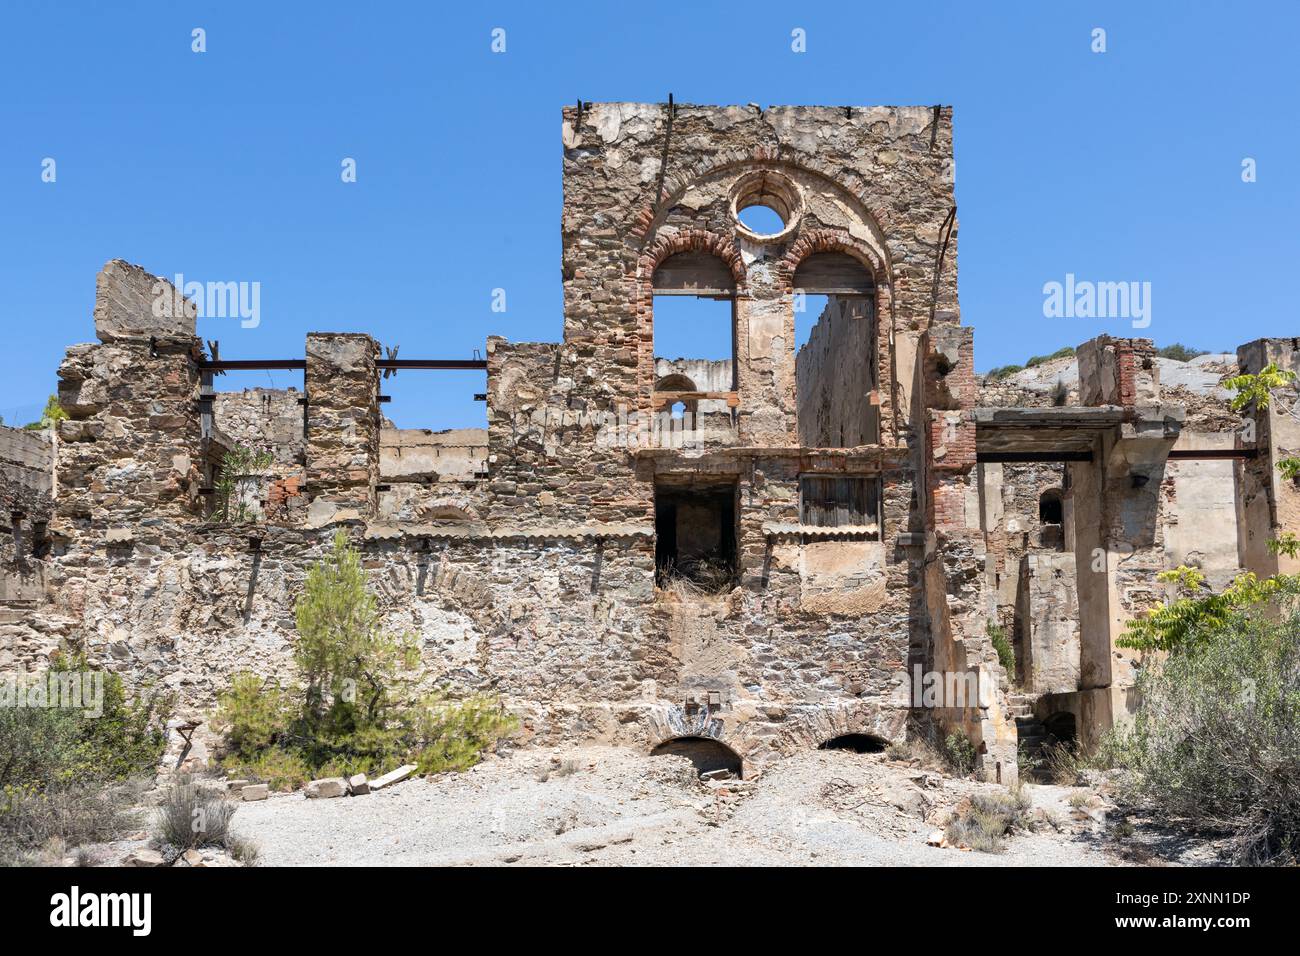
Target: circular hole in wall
[
  {"x": 760, "y": 219},
  {"x": 766, "y": 206}
]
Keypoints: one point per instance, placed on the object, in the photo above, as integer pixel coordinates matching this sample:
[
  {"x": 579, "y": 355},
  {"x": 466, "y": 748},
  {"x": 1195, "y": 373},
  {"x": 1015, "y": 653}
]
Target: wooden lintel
[{"x": 660, "y": 399}]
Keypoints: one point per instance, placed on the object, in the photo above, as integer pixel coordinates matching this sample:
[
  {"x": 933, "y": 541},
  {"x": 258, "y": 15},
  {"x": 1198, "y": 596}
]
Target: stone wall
[
  {"x": 835, "y": 377},
  {"x": 264, "y": 419},
  {"x": 539, "y": 579},
  {"x": 26, "y": 472}
]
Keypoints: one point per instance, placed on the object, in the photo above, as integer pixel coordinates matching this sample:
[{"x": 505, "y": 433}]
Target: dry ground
[
  {"x": 615, "y": 807},
  {"x": 607, "y": 806}
]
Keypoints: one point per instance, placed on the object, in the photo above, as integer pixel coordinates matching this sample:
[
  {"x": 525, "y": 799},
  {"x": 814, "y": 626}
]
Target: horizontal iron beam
[
  {"x": 1008, "y": 457},
  {"x": 445, "y": 364},
  {"x": 257, "y": 365},
  {"x": 1212, "y": 454}
]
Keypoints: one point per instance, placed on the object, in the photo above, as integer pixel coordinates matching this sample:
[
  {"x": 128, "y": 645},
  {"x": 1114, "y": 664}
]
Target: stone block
[
  {"x": 132, "y": 304},
  {"x": 392, "y": 777},
  {"x": 327, "y": 788}
]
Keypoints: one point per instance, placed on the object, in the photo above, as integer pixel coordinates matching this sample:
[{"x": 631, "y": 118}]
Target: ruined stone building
[{"x": 737, "y": 559}]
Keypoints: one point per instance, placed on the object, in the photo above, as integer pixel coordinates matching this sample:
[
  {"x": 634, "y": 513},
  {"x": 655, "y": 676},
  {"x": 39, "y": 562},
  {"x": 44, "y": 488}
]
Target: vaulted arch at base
[{"x": 705, "y": 754}]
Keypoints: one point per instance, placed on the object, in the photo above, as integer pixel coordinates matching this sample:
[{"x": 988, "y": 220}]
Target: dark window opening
[
  {"x": 858, "y": 743},
  {"x": 1061, "y": 728},
  {"x": 705, "y": 754},
  {"x": 1050, "y": 510},
  {"x": 836, "y": 501},
  {"x": 695, "y": 535}
]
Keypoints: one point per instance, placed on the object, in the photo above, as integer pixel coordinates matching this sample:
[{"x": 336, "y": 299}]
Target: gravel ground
[{"x": 609, "y": 806}]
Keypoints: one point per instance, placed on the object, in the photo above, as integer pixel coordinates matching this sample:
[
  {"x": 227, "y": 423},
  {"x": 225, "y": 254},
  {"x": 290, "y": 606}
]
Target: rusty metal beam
[
  {"x": 1212, "y": 454},
  {"x": 257, "y": 365},
  {"x": 1007, "y": 457}
]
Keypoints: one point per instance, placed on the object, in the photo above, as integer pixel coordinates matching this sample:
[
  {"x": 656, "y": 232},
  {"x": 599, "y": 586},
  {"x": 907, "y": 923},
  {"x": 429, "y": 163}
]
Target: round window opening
[
  {"x": 763, "y": 220},
  {"x": 766, "y": 206}
]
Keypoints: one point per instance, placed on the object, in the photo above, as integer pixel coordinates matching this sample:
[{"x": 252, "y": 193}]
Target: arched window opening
[
  {"x": 835, "y": 365},
  {"x": 693, "y": 314},
  {"x": 858, "y": 743},
  {"x": 707, "y": 755},
  {"x": 693, "y": 327}
]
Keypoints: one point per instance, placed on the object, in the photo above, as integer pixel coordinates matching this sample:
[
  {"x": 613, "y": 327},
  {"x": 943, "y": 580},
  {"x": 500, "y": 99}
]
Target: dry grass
[
  {"x": 35, "y": 825},
  {"x": 194, "y": 815},
  {"x": 697, "y": 578},
  {"x": 989, "y": 819}
]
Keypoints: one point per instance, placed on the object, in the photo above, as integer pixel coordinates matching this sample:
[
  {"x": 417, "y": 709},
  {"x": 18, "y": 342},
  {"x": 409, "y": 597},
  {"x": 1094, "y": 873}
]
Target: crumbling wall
[
  {"x": 1198, "y": 513},
  {"x": 836, "y": 377},
  {"x": 26, "y": 500},
  {"x": 26, "y": 472},
  {"x": 263, "y": 419},
  {"x": 539, "y": 580},
  {"x": 1049, "y": 622},
  {"x": 1269, "y": 504},
  {"x": 130, "y": 448}
]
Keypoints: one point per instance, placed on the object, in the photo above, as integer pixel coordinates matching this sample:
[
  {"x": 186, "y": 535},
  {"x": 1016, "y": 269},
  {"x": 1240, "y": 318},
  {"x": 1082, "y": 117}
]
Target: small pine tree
[{"x": 352, "y": 669}]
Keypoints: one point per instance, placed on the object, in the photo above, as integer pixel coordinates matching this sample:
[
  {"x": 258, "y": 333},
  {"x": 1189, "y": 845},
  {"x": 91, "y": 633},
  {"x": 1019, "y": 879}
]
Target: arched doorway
[
  {"x": 858, "y": 743},
  {"x": 705, "y": 754}
]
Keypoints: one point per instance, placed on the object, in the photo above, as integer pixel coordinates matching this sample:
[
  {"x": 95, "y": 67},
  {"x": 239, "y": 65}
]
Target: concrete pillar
[
  {"x": 1115, "y": 500},
  {"x": 1267, "y": 503},
  {"x": 343, "y": 425}
]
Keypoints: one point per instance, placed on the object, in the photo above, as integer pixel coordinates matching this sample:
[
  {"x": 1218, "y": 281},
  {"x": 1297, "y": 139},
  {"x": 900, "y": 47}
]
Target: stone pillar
[
  {"x": 1267, "y": 503},
  {"x": 130, "y": 448},
  {"x": 957, "y": 587},
  {"x": 765, "y": 379},
  {"x": 1118, "y": 538},
  {"x": 342, "y": 426},
  {"x": 1118, "y": 372}
]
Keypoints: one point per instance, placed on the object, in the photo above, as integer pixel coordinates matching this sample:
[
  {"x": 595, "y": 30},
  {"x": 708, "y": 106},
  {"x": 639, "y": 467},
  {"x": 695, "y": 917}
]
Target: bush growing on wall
[{"x": 354, "y": 708}]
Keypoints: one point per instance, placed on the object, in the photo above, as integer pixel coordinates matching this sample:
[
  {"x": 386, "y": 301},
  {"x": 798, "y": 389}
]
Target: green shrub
[
  {"x": 354, "y": 709},
  {"x": 1006, "y": 653},
  {"x": 47, "y": 746},
  {"x": 278, "y": 767},
  {"x": 1198, "y": 611},
  {"x": 236, "y": 463},
  {"x": 452, "y": 735},
  {"x": 252, "y": 713},
  {"x": 959, "y": 753},
  {"x": 1216, "y": 740},
  {"x": 52, "y": 415},
  {"x": 1002, "y": 371},
  {"x": 1179, "y": 352},
  {"x": 1066, "y": 352}
]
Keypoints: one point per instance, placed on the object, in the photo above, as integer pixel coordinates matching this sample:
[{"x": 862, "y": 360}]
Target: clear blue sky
[{"x": 225, "y": 165}]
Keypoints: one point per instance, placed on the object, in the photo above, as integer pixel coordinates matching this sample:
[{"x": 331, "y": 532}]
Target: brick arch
[
  {"x": 685, "y": 240},
  {"x": 691, "y": 240},
  {"x": 877, "y": 216},
  {"x": 830, "y": 240}
]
